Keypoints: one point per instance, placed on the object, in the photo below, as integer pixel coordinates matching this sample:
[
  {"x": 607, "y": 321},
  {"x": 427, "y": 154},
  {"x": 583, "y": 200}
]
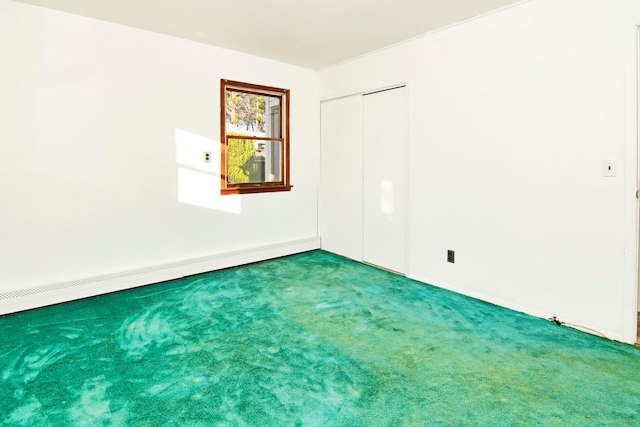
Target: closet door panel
[
  {"x": 340, "y": 195},
  {"x": 384, "y": 143}
]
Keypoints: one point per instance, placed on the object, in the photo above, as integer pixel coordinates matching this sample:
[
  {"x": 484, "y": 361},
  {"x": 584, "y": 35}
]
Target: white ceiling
[{"x": 309, "y": 33}]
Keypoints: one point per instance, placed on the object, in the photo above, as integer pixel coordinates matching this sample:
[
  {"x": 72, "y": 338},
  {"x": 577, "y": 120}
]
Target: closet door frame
[{"x": 327, "y": 226}]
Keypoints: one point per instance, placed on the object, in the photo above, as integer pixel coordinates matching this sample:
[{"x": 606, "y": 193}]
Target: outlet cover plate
[{"x": 451, "y": 256}]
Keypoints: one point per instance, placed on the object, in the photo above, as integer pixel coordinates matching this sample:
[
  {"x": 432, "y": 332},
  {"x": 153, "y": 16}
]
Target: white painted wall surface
[
  {"x": 510, "y": 118},
  {"x": 102, "y": 132},
  {"x": 340, "y": 195}
]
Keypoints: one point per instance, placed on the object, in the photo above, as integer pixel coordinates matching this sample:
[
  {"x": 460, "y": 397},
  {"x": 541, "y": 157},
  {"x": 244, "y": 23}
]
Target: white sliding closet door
[
  {"x": 340, "y": 196},
  {"x": 384, "y": 163}
]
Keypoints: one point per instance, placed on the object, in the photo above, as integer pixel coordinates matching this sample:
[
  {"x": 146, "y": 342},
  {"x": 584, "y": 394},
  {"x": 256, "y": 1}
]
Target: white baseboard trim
[
  {"x": 232, "y": 259},
  {"x": 58, "y": 292},
  {"x": 526, "y": 310}
]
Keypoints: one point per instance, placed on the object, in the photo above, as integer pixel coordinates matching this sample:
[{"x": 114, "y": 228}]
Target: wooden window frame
[{"x": 254, "y": 187}]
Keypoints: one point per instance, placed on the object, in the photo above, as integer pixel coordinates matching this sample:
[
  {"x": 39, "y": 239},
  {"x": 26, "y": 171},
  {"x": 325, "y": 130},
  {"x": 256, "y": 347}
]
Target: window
[{"x": 254, "y": 138}]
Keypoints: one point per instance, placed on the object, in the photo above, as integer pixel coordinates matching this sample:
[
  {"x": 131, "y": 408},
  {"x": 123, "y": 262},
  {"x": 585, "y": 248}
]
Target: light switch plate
[{"x": 609, "y": 168}]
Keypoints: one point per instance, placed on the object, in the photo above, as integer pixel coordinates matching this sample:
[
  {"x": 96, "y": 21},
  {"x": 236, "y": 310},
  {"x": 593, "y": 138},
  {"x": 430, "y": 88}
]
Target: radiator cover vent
[{"x": 56, "y": 286}]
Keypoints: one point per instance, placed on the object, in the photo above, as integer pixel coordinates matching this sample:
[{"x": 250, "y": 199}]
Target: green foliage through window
[
  {"x": 240, "y": 160},
  {"x": 246, "y": 110}
]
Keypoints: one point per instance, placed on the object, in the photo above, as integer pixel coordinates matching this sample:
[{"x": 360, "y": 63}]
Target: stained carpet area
[{"x": 308, "y": 340}]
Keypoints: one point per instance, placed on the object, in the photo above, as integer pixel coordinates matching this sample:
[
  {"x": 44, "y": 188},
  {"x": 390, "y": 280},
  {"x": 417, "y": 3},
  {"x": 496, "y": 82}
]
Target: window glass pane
[
  {"x": 254, "y": 161},
  {"x": 252, "y": 115}
]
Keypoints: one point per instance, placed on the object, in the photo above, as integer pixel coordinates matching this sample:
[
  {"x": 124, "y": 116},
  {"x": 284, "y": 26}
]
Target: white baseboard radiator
[{"x": 16, "y": 300}]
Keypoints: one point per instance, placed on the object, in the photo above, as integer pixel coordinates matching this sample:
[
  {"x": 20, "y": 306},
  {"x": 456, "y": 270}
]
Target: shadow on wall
[{"x": 199, "y": 181}]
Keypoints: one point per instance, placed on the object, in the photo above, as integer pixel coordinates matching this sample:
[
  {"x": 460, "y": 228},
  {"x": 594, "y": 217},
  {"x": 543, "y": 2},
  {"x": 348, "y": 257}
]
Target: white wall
[
  {"x": 102, "y": 132},
  {"x": 510, "y": 118},
  {"x": 632, "y": 160}
]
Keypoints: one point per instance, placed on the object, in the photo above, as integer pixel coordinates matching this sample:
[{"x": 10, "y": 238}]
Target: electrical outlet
[
  {"x": 451, "y": 256},
  {"x": 207, "y": 156}
]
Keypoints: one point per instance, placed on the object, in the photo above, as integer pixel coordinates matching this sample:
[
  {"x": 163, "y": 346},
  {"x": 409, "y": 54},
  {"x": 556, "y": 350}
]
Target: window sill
[{"x": 255, "y": 189}]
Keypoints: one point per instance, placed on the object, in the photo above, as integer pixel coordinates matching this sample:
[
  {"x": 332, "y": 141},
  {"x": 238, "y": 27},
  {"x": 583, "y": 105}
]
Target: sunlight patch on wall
[
  {"x": 199, "y": 181},
  {"x": 190, "y": 149},
  {"x": 386, "y": 197},
  {"x": 201, "y": 189}
]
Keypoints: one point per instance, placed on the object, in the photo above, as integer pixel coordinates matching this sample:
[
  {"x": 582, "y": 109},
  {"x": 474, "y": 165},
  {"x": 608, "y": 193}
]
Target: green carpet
[{"x": 308, "y": 340}]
